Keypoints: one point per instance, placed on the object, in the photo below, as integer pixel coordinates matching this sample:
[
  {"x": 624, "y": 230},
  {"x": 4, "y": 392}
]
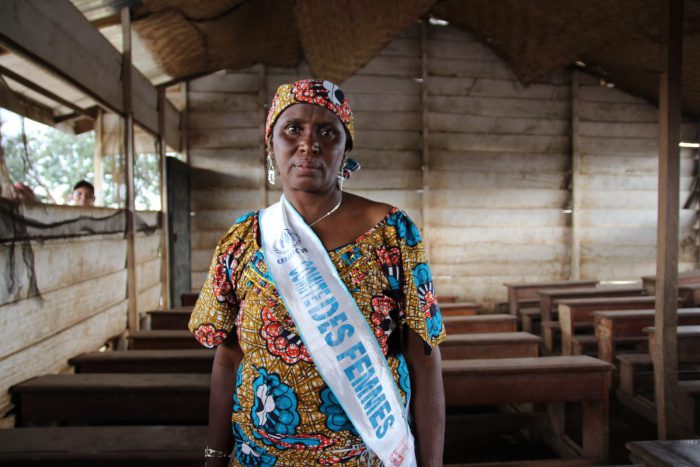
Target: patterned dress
[{"x": 284, "y": 414}]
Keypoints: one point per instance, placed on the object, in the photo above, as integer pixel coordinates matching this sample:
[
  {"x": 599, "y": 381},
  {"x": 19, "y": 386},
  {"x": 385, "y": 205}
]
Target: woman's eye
[
  {"x": 293, "y": 129},
  {"x": 328, "y": 132}
]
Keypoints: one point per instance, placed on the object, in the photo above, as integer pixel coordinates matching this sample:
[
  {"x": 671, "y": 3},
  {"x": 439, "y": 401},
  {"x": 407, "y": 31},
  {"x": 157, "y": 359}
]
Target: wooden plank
[
  {"x": 496, "y": 180},
  {"x": 25, "y": 106},
  {"x": 550, "y": 144},
  {"x": 132, "y": 399},
  {"x": 145, "y": 361},
  {"x": 455, "y": 122},
  {"x": 201, "y": 122},
  {"x": 49, "y": 355},
  {"x": 665, "y": 369},
  {"x": 500, "y": 107},
  {"x": 176, "y": 446},
  {"x": 677, "y": 453},
  {"x": 521, "y": 291},
  {"x": 490, "y": 345},
  {"x": 28, "y": 321},
  {"x": 486, "y": 162},
  {"x": 500, "y": 88},
  {"x": 60, "y": 263},
  {"x": 461, "y": 197},
  {"x": 478, "y": 323}
]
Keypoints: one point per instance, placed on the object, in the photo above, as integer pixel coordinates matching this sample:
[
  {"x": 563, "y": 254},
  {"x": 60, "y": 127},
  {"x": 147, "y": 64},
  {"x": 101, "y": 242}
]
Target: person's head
[
  {"x": 83, "y": 194},
  {"x": 309, "y": 134}
]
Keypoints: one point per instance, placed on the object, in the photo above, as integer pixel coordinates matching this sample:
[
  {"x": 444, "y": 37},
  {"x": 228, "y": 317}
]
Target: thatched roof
[{"x": 617, "y": 39}]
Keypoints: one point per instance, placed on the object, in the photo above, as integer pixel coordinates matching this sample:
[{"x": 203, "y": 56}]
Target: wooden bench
[
  {"x": 458, "y": 309},
  {"x": 174, "y": 318},
  {"x": 612, "y": 327},
  {"x": 549, "y": 298},
  {"x": 447, "y": 299},
  {"x": 636, "y": 389},
  {"x": 145, "y": 361},
  {"x": 545, "y": 380},
  {"x": 189, "y": 298},
  {"x": 677, "y": 453},
  {"x": 689, "y": 294},
  {"x": 688, "y": 343},
  {"x": 684, "y": 278},
  {"x": 524, "y": 293},
  {"x": 114, "y": 446},
  {"x": 490, "y": 345},
  {"x": 113, "y": 399},
  {"x": 578, "y": 314},
  {"x": 163, "y": 339},
  {"x": 480, "y": 323}
]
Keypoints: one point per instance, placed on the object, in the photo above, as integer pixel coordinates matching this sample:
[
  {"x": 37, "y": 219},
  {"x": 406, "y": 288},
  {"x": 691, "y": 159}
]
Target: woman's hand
[
  {"x": 223, "y": 384},
  {"x": 427, "y": 401}
]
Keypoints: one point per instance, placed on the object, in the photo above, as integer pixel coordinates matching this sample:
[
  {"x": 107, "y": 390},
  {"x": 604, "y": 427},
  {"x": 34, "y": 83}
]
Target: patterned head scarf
[{"x": 310, "y": 91}]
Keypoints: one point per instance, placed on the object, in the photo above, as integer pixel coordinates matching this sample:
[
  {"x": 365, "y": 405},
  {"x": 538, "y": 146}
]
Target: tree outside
[{"x": 51, "y": 162}]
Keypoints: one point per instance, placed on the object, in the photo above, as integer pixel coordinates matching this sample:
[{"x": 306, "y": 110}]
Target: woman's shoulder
[{"x": 243, "y": 230}]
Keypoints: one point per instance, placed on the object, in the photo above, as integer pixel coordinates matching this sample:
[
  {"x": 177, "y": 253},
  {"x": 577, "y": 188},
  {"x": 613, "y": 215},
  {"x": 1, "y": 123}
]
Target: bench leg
[
  {"x": 595, "y": 429},
  {"x": 527, "y": 324},
  {"x": 549, "y": 339},
  {"x": 556, "y": 412}
]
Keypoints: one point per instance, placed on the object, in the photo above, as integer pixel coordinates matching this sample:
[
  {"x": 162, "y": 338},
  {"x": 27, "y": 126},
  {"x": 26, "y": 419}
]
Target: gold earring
[{"x": 270, "y": 170}]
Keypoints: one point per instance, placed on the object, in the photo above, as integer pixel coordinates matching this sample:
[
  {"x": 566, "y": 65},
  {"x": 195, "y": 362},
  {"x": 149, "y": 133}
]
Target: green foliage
[
  {"x": 54, "y": 161},
  {"x": 52, "y": 164}
]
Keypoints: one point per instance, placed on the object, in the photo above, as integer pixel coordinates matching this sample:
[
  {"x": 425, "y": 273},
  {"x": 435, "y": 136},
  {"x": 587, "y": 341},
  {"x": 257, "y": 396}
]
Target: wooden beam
[
  {"x": 425, "y": 134},
  {"x": 45, "y": 92},
  {"x": 575, "y": 180},
  {"x": 58, "y": 37},
  {"x": 165, "y": 228},
  {"x": 98, "y": 161},
  {"x": 262, "y": 100},
  {"x": 666, "y": 364},
  {"x": 25, "y": 106},
  {"x": 132, "y": 291}
]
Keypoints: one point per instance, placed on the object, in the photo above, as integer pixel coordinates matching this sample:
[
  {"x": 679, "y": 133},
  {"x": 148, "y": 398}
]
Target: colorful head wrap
[{"x": 310, "y": 91}]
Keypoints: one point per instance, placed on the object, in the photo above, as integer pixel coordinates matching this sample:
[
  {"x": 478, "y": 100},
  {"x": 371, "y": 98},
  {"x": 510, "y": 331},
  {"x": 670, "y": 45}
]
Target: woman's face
[{"x": 308, "y": 143}]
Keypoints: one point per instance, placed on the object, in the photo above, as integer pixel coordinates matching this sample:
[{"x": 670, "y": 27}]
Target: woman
[{"x": 333, "y": 305}]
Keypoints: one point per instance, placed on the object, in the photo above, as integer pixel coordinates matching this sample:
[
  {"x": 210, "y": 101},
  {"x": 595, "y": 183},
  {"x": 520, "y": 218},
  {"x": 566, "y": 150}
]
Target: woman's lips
[{"x": 305, "y": 168}]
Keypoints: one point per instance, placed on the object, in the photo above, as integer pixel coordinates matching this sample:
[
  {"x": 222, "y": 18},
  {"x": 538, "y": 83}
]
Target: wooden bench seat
[
  {"x": 544, "y": 380},
  {"x": 458, "y": 309},
  {"x": 163, "y": 339},
  {"x": 610, "y": 326},
  {"x": 145, "y": 361},
  {"x": 113, "y": 399},
  {"x": 480, "y": 323},
  {"x": 688, "y": 343},
  {"x": 676, "y": 453},
  {"x": 580, "y": 311},
  {"x": 174, "y": 318},
  {"x": 684, "y": 278},
  {"x": 490, "y": 345},
  {"x": 189, "y": 298},
  {"x": 114, "y": 446},
  {"x": 524, "y": 294}
]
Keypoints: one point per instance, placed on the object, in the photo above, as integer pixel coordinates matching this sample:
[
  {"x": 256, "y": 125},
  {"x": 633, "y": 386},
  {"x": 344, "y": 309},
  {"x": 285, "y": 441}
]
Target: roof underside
[{"x": 616, "y": 39}]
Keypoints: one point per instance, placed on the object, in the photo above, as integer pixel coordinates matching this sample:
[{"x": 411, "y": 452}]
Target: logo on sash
[{"x": 286, "y": 245}]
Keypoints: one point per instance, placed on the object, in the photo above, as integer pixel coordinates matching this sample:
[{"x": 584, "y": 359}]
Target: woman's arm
[
  {"x": 223, "y": 384},
  {"x": 427, "y": 401}
]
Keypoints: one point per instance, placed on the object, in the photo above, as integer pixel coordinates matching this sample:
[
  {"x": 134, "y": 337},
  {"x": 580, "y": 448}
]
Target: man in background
[{"x": 83, "y": 194}]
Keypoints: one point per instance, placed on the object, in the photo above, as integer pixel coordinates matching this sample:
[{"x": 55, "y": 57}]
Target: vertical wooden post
[
  {"x": 666, "y": 365},
  {"x": 133, "y": 321},
  {"x": 185, "y": 123},
  {"x": 575, "y": 180},
  {"x": 98, "y": 161},
  {"x": 165, "y": 228},
  {"x": 425, "y": 136},
  {"x": 262, "y": 101}
]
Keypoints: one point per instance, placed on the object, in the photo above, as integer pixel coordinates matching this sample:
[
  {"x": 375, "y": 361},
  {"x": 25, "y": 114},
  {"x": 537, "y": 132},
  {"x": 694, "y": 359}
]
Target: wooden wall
[
  {"x": 82, "y": 302},
  {"x": 494, "y": 200},
  {"x": 617, "y": 150}
]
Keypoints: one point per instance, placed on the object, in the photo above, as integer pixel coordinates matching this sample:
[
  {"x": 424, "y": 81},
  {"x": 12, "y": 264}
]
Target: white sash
[{"x": 336, "y": 334}]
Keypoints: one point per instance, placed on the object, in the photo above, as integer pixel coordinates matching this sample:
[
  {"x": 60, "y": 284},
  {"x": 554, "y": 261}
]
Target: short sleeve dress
[{"x": 284, "y": 414}]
